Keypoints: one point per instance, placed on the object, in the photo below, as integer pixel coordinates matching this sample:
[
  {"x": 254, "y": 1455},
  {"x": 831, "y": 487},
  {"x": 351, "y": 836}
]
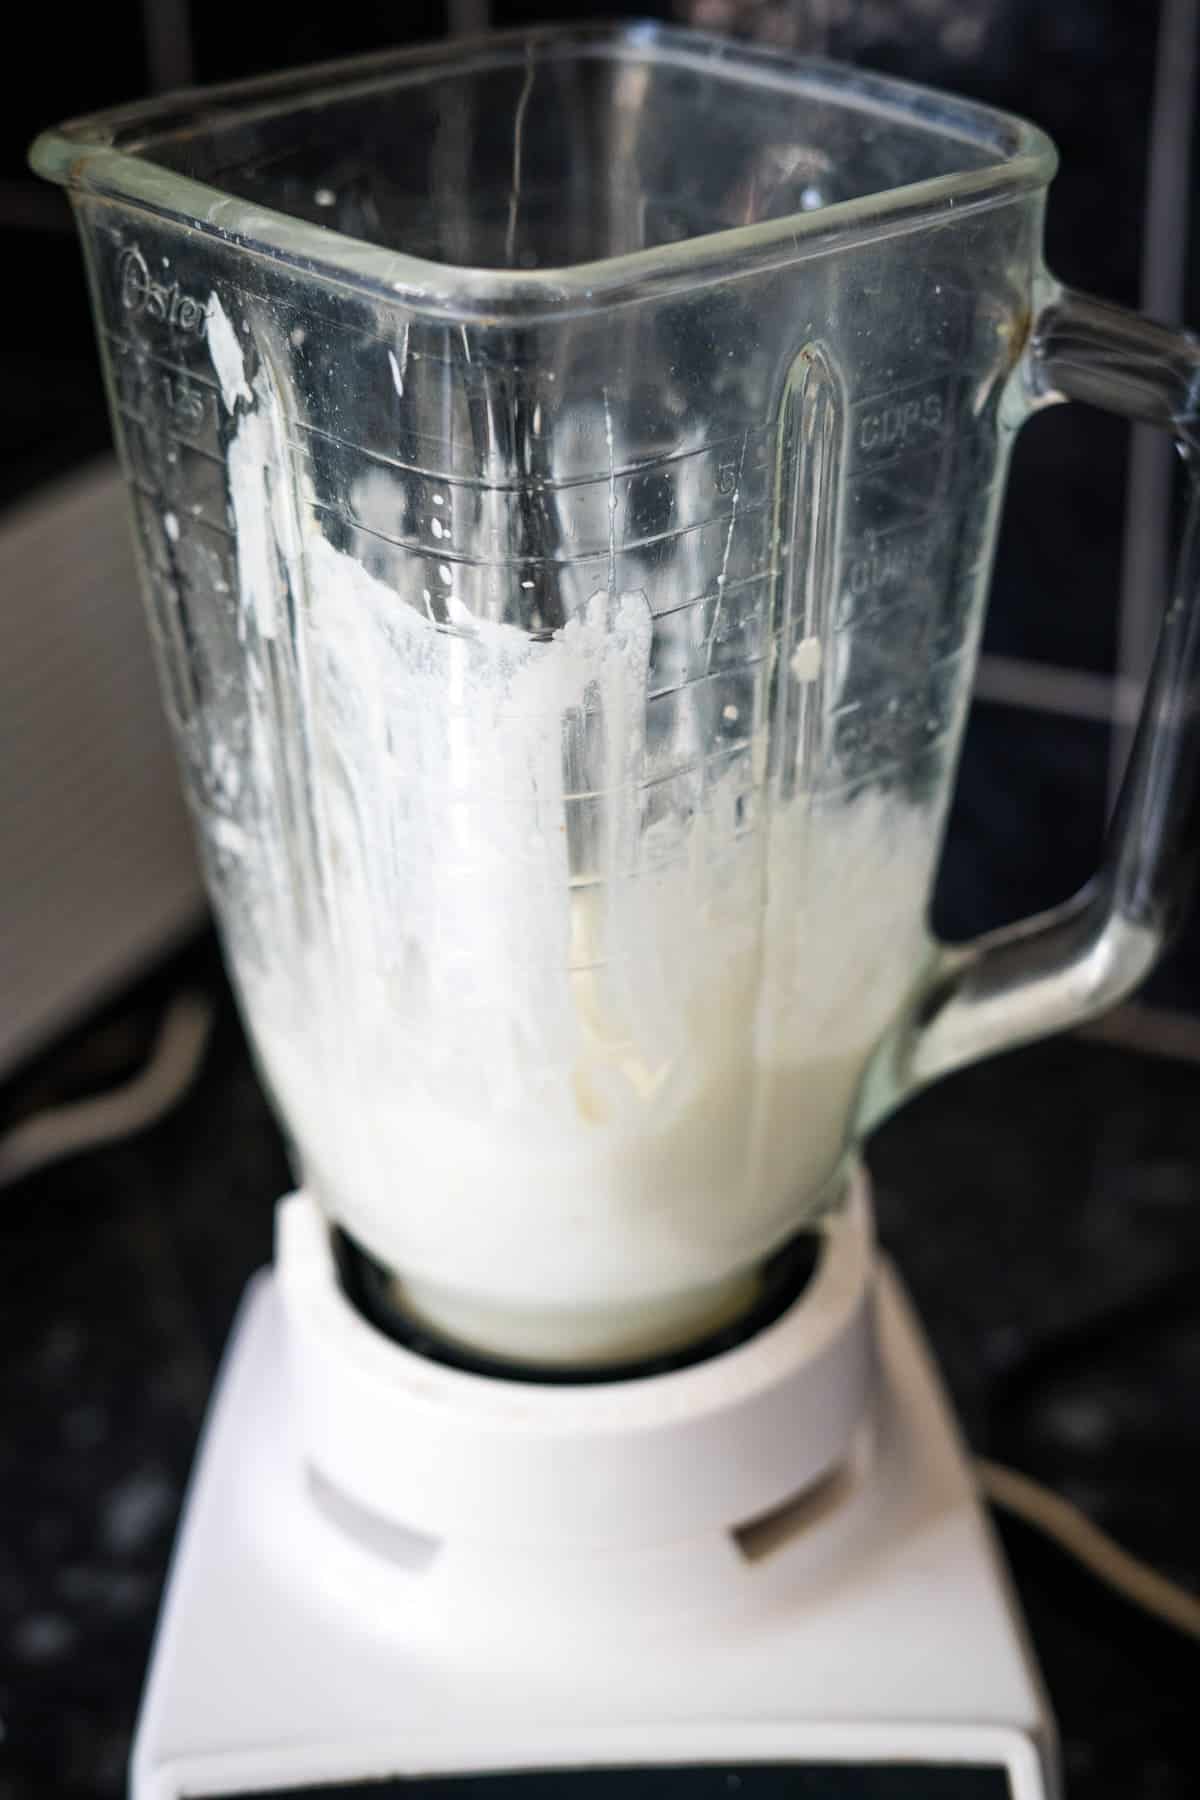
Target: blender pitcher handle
[{"x": 1068, "y": 964}]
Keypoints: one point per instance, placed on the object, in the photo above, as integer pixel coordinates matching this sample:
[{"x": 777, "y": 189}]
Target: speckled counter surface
[{"x": 1044, "y": 1209}]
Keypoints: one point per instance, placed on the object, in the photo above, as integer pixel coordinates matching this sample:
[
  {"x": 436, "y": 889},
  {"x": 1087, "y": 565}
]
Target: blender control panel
[{"x": 724, "y": 1781}]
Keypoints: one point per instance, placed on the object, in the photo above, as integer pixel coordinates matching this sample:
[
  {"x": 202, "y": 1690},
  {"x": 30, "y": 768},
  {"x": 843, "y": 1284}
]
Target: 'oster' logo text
[{"x": 140, "y": 293}]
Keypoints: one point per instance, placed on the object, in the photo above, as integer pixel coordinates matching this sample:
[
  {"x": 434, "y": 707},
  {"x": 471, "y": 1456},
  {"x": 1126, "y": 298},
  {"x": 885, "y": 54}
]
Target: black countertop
[{"x": 1045, "y": 1210}]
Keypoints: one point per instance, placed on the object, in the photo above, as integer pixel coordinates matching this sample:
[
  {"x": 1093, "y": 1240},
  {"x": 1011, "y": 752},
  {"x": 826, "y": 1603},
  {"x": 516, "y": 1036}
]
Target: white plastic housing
[
  {"x": 620, "y": 1464},
  {"x": 306, "y": 1639}
]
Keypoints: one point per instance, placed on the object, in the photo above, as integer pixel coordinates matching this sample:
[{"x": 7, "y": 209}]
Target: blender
[{"x": 565, "y": 470}]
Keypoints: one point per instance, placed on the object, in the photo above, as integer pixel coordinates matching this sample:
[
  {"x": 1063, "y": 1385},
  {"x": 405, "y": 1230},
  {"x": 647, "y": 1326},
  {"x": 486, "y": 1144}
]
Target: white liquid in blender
[{"x": 571, "y": 1074}]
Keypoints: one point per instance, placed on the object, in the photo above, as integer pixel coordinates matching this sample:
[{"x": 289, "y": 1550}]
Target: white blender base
[{"x": 865, "y": 1644}]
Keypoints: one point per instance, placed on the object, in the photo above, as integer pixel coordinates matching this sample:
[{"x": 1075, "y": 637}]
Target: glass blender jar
[{"x": 565, "y": 472}]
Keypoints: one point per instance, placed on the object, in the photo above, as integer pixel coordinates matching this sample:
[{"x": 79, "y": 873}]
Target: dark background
[{"x": 1043, "y": 1208}]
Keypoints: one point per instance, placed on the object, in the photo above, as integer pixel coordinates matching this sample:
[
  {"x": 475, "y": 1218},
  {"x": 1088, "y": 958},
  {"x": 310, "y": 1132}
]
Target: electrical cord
[
  {"x": 1074, "y": 1532},
  {"x": 62, "y": 1131}
]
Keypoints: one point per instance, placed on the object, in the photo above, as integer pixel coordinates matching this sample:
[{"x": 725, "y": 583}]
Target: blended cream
[{"x": 569, "y": 1075}]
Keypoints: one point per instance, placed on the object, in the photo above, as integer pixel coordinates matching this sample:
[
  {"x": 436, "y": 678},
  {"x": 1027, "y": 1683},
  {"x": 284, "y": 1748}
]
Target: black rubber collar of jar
[{"x": 367, "y": 1286}]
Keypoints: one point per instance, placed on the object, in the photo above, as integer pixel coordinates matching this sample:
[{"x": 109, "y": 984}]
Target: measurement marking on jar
[
  {"x": 140, "y": 355},
  {"x": 900, "y": 494},
  {"x": 709, "y": 595},
  {"x": 758, "y": 459},
  {"x": 889, "y": 426},
  {"x": 901, "y": 767},
  {"x": 183, "y": 398},
  {"x": 169, "y": 437},
  {"x": 418, "y": 547},
  {"x": 745, "y": 666},
  {"x": 189, "y": 521},
  {"x": 925, "y": 676},
  {"x": 879, "y": 563}
]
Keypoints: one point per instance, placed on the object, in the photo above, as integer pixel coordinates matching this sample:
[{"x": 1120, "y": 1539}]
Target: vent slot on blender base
[
  {"x": 761, "y": 1538},
  {"x": 413, "y": 1551}
]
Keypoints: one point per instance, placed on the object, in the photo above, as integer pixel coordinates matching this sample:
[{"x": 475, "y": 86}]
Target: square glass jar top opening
[{"x": 547, "y": 152}]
